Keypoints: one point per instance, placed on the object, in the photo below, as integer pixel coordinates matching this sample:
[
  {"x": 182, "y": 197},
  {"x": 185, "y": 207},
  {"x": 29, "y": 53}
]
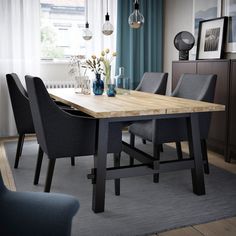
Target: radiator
[{"x": 59, "y": 84}]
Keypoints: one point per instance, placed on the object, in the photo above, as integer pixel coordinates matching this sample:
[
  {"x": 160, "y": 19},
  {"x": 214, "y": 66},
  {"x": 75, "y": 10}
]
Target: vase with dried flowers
[
  {"x": 107, "y": 58},
  {"x": 94, "y": 64}
]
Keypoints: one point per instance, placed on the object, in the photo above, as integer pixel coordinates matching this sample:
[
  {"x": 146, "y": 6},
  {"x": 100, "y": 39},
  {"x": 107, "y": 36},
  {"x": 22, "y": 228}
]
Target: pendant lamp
[
  {"x": 107, "y": 28},
  {"x": 87, "y": 34},
  {"x": 136, "y": 19}
]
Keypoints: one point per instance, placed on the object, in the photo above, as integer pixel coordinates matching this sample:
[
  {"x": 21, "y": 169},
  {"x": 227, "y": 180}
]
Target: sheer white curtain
[
  {"x": 19, "y": 50},
  {"x": 97, "y": 9}
]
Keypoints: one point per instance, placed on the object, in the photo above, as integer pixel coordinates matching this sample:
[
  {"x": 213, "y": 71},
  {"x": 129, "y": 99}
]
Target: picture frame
[
  {"x": 229, "y": 10},
  {"x": 211, "y": 38}
]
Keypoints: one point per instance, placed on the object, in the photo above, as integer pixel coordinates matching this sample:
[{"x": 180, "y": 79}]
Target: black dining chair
[
  {"x": 61, "y": 134},
  {"x": 38, "y": 214},
  {"x": 22, "y": 113},
  {"x": 190, "y": 86},
  {"x": 151, "y": 82}
]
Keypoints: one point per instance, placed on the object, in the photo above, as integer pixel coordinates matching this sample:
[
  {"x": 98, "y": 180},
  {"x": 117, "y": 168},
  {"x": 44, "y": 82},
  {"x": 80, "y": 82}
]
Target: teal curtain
[{"x": 140, "y": 50}]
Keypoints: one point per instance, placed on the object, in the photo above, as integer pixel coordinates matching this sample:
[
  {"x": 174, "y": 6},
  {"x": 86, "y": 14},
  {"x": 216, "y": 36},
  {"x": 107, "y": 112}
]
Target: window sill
[{"x": 57, "y": 62}]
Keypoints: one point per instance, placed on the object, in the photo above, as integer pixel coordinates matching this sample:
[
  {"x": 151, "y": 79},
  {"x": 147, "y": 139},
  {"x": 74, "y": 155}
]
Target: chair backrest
[
  {"x": 153, "y": 82},
  {"x": 196, "y": 87},
  {"x": 20, "y": 104},
  {"x": 59, "y": 134}
]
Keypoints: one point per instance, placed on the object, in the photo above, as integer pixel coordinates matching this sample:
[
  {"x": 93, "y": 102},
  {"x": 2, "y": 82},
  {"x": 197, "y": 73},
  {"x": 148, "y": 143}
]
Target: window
[{"x": 62, "y": 22}]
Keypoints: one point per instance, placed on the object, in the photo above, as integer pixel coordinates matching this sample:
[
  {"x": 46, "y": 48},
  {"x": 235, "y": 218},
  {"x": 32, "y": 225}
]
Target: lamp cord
[
  {"x": 107, "y": 6},
  {"x": 86, "y": 11}
]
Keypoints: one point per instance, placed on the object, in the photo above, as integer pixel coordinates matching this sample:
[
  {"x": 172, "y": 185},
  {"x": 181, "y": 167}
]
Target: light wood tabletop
[{"x": 133, "y": 104}]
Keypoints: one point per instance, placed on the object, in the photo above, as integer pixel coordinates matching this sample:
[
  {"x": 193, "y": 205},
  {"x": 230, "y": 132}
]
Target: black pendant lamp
[
  {"x": 107, "y": 28},
  {"x": 87, "y": 34},
  {"x": 136, "y": 19}
]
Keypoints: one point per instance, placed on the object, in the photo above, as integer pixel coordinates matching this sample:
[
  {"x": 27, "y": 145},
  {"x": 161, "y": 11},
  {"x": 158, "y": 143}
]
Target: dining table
[{"x": 135, "y": 106}]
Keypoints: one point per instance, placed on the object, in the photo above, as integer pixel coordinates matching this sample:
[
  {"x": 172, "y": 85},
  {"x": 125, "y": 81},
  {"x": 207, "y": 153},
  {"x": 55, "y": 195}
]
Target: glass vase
[
  {"x": 122, "y": 83},
  {"x": 86, "y": 86},
  {"x": 78, "y": 84},
  {"x": 107, "y": 75},
  {"x": 111, "y": 91},
  {"x": 98, "y": 85}
]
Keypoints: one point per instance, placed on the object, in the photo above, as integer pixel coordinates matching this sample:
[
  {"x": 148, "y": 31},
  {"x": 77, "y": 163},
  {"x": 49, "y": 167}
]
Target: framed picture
[
  {"x": 230, "y": 10},
  {"x": 211, "y": 38}
]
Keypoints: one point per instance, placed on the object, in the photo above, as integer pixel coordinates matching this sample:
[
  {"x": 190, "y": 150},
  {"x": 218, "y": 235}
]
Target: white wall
[{"x": 178, "y": 16}]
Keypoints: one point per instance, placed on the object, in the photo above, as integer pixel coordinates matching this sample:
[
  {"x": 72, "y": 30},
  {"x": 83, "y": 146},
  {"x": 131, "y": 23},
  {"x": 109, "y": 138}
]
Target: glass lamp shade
[
  {"x": 136, "y": 19},
  {"x": 107, "y": 28},
  {"x": 87, "y": 34}
]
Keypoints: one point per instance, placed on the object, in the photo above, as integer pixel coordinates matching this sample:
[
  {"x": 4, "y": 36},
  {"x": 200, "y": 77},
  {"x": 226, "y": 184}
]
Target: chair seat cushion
[
  {"x": 142, "y": 129},
  {"x": 168, "y": 130}
]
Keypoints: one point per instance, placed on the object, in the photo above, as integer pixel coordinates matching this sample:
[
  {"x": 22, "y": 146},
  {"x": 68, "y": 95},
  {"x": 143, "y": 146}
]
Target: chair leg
[
  {"x": 38, "y": 166},
  {"x": 161, "y": 148},
  {"x": 48, "y": 183},
  {"x": 156, "y": 155},
  {"x": 144, "y": 141},
  {"x": 72, "y": 160},
  {"x": 179, "y": 150},
  {"x": 19, "y": 149},
  {"x": 132, "y": 140},
  {"x": 117, "y": 181},
  {"x": 205, "y": 156}
]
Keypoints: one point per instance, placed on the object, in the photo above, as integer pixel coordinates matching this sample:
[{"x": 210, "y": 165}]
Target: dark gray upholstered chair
[
  {"x": 22, "y": 113},
  {"x": 153, "y": 82},
  {"x": 190, "y": 86},
  {"x": 61, "y": 134},
  {"x": 38, "y": 214}
]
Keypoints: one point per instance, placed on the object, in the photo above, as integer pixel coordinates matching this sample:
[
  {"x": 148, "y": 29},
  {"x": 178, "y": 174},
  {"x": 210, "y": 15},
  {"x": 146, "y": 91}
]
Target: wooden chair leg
[
  {"x": 205, "y": 156},
  {"x": 179, "y": 150},
  {"x": 72, "y": 160},
  {"x": 144, "y": 141},
  {"x": 48, "y": 183},
  {"x": 117, "y": 181},
  {"x": 19, "y": 149},
  {"x": 156, "y": 155},
  {"x": 132, "y": 141},
  {"x": 38, "y": 166}
]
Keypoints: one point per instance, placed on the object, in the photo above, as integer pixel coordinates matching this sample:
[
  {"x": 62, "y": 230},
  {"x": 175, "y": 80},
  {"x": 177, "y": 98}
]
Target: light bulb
[
  {"x": 87, "y": 34},
  {"x": 107, "y": 28},
  {"x": 136, "y": 19}
]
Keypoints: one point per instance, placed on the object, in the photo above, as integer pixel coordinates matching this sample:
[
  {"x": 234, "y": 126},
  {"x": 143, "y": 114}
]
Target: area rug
[{"x": 143, "y": 208}]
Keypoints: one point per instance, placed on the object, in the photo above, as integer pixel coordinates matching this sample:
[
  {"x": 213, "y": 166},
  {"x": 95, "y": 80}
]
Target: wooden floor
[{"x": 225, "y": 227}]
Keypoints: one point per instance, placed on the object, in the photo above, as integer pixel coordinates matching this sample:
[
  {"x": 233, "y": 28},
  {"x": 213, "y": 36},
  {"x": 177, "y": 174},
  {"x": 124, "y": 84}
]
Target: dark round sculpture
[{"x": 184, "y": 41}]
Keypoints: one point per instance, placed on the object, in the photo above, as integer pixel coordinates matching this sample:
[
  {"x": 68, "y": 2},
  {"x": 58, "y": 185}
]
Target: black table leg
[
  {"x": 156, "y": 149},
  {"x": 195, "y": 152},
  {"x": 100, "y": 158}
]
